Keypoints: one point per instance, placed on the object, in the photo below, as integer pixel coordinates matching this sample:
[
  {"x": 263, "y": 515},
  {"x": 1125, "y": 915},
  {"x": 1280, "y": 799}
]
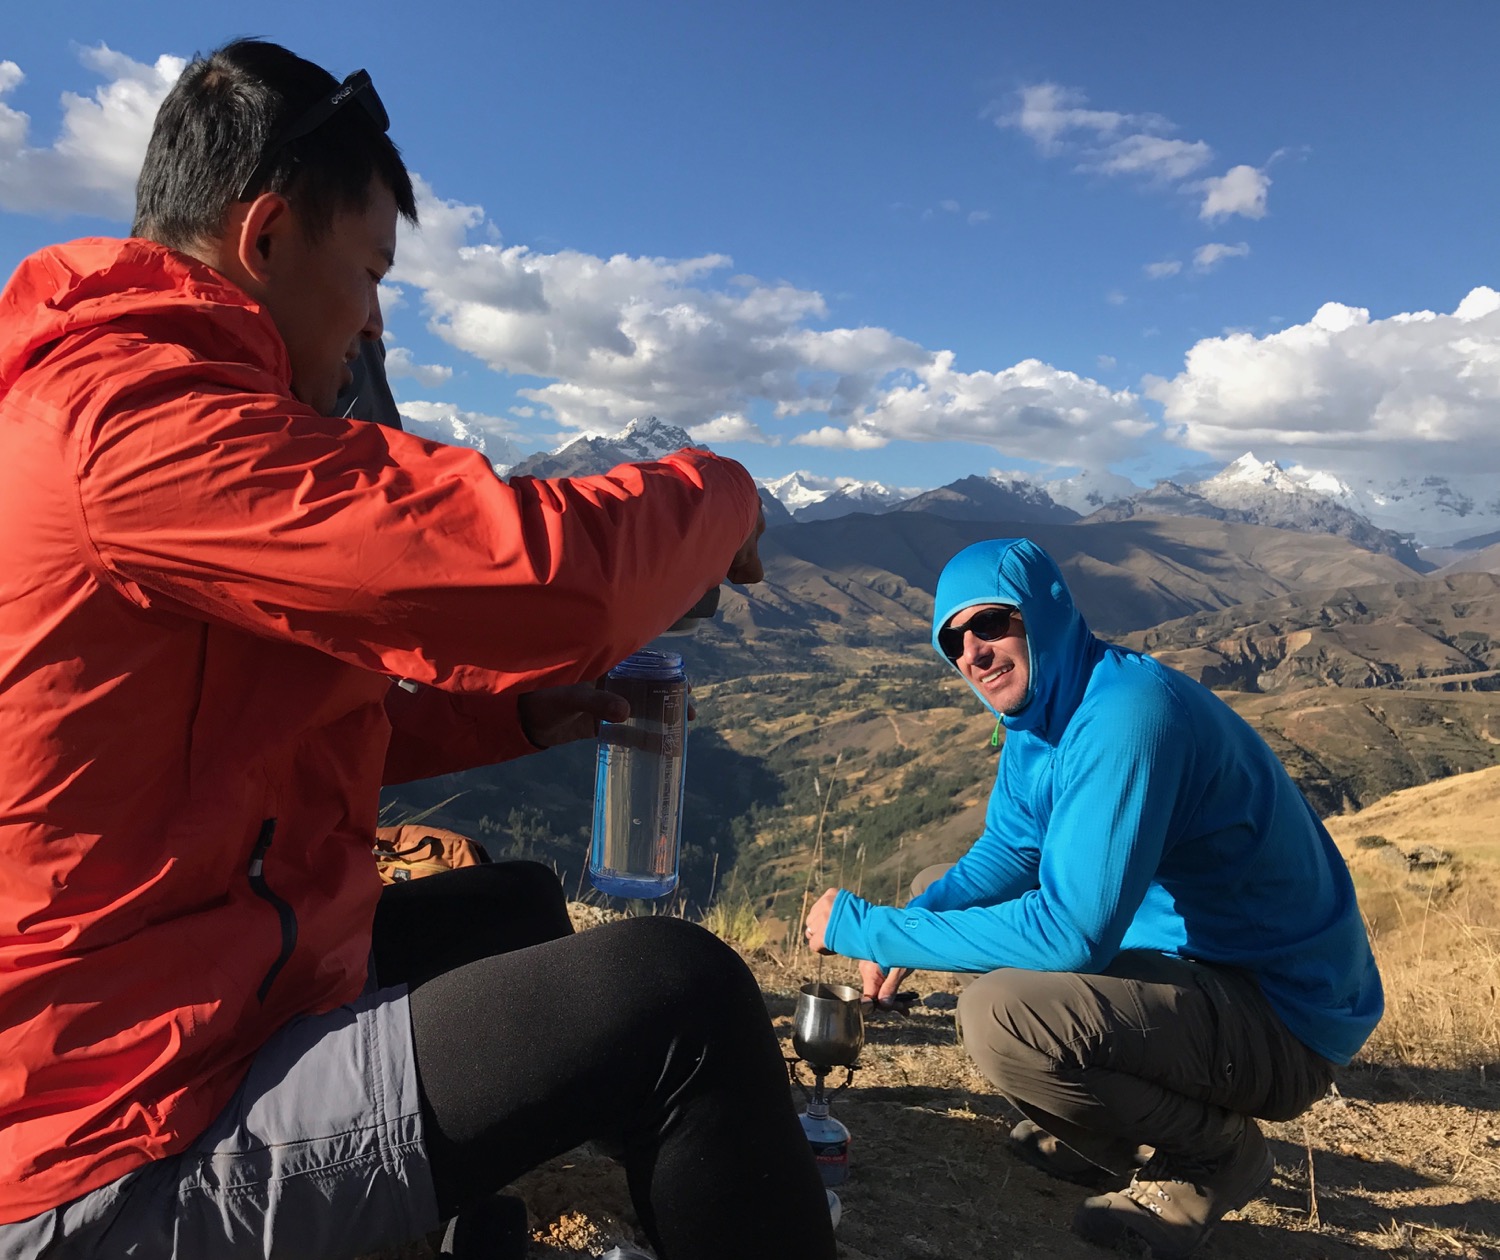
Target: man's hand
[
  {"x": 817, "y": 922},
  {"x": 746, "y": 567},
  {"x": 559, "y": 715},
  {"x": 881, "y": 986}
]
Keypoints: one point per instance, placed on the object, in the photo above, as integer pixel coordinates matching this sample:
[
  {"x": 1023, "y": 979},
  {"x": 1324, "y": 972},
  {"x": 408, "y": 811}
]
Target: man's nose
[
  {"x": 374, "y": 327},
  {"x": 975, "y": 648}
]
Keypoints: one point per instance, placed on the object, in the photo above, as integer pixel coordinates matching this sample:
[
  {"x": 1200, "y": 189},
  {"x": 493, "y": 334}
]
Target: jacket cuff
[{"x": 844, "y": 918}]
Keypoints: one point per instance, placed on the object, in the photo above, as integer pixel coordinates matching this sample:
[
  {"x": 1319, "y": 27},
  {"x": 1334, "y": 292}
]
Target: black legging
[{"x": 649, "y": 1034}]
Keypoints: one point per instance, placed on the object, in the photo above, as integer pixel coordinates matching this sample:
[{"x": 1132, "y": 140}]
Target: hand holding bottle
[{"x": 551, "y": 716}]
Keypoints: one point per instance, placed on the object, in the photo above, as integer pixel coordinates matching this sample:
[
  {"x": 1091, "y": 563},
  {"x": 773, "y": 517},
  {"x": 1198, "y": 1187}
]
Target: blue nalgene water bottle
[{"x": 638, "y": 782}]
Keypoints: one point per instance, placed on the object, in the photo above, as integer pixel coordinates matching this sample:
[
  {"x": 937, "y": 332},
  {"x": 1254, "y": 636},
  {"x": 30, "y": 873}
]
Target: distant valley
[{"x": 832, "y": 743}]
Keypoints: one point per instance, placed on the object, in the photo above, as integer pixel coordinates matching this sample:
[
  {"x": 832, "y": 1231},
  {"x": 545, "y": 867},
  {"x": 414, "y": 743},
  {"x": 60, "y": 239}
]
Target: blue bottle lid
[{"x": 649, "y": 665}]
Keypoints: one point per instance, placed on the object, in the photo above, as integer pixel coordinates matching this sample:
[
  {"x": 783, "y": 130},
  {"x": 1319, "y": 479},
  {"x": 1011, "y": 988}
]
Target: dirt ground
[{"x": 1399, "y": 1162}]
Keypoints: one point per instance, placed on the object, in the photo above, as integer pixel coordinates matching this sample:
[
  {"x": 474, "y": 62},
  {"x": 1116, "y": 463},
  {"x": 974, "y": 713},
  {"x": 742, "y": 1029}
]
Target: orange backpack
[{"x": 413, "y": 850}]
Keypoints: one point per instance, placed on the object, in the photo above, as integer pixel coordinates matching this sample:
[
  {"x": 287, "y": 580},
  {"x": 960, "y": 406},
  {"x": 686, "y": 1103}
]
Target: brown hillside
[
  {"x": 1439, "y": 632},
  {"x": 1486, "y": 560},
  {"x": 1348, "y": 747},
  {"x": 861, "y": 577}
]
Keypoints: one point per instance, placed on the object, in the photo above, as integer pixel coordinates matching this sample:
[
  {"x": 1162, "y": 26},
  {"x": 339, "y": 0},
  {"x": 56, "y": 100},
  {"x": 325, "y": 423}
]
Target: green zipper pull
[{"x": 995, "y": 735}]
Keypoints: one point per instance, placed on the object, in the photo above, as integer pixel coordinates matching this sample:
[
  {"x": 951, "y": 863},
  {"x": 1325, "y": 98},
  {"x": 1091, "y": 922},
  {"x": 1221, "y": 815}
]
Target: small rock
[
  {"x": 940, "y": 1001},
  {"x": 585, "y": 916}
]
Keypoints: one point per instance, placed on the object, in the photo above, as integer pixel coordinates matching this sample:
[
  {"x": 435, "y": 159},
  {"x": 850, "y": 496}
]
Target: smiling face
[
  {"x": 322, "y": 292},
  {"x": 999, "y": 669}
]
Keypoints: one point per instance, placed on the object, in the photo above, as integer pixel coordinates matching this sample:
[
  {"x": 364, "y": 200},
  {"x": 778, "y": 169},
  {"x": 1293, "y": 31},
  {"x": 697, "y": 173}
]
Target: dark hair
[{"x": 216, "y": 124}]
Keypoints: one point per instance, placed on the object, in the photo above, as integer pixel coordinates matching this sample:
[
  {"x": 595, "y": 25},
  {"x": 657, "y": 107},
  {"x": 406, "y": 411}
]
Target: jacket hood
[
  {"x": 1060, "y": 649},
  {"x": 69, "y": 289}
]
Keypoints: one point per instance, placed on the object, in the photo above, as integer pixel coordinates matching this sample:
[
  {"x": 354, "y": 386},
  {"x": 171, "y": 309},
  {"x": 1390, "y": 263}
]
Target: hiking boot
[
  {"x": 1057, "y": 1159},
  {"x": 1174, "y": 1202}
]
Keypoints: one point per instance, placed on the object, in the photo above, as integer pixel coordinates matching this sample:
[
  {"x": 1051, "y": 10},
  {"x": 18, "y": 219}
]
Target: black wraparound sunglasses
[
  {"x": 357, "y": 87},
  {"x": 989, "y": 625}
]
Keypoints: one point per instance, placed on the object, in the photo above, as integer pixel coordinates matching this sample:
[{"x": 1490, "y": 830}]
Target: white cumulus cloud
[
  {"x": 1240, "y": 190},
  {"x": 1031, "y": 410},
  {"x": 1161, "y": 270},
  {"x": 626, "y": 336},
  {"x": 1048, "y": 112},
  {"x": 729, "y": 429},
  {"x": 1156, "y": 156},
  {"x": 1413, "y": 390},
  {"x": 92, "y": 166},
  {"x": 398, "y": 362},
  {"x": 1207, "y": 257},
  {"x": 1106, "y": 141},
  {"x": 1109, "y": 142}
]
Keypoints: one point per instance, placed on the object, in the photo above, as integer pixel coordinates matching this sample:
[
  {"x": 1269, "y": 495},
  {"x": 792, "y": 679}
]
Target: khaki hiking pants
[{"x": 1156, "y": 1051}]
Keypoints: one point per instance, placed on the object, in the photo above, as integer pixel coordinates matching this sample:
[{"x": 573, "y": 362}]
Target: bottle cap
[{"x": 649, "y": 665}]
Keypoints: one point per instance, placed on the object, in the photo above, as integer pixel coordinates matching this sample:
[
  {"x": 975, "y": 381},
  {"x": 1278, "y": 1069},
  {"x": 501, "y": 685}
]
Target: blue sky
[{"x": 888, "y": 241}]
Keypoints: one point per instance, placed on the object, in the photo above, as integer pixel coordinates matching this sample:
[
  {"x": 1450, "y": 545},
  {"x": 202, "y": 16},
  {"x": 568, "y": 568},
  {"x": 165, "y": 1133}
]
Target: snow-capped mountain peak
[
  {"x": 653, "y": 438},
  {"x": 644, "y": 438},
  {"x": 442, "y": 422},
  {"x": 1247, "y": 472},
  {"x": 1083, "y": 492},
  {"x": 809, "y": 497},
  {"x": 800, "y": 489},
  {"x": 1324, "y": 483},
  {"x": 640, "y": 441}
]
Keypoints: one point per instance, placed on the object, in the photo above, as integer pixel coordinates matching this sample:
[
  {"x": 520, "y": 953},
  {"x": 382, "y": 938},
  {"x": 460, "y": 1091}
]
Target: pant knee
[
  {"x": 524, "y": 877},
  {"x": 677, "y": 956},
  {"x": 927, "y": 876},
  {"x": 1004, "y": 1028}
]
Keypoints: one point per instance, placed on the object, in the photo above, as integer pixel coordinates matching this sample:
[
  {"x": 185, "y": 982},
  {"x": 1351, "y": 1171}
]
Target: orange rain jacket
[{"x": 206, "y": 588}]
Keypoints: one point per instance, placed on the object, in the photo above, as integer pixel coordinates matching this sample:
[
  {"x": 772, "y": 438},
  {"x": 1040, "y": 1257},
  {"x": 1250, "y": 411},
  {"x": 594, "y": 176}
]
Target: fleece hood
[{"x": 1061, "y": 650}]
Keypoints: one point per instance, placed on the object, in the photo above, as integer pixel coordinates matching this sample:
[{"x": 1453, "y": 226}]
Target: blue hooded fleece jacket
[{"x": 1132, "y": 809}]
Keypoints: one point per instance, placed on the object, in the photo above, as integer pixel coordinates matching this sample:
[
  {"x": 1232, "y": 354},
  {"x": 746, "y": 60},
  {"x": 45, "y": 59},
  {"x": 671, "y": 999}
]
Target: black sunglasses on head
[
  {"x": 989, "y": 625},
  {"x": 357, "y": 87}
]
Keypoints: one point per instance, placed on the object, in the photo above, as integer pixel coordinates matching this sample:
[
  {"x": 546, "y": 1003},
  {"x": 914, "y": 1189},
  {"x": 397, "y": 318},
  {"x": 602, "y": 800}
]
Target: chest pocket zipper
[{"x": 283, "y": 908}]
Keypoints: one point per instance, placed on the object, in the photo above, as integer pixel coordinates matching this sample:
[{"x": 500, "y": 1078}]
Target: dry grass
[
  {"x": 736, "y": 921},
  {"x": 1442, "y": 992},
  {"x": 1426, "y": 865}
]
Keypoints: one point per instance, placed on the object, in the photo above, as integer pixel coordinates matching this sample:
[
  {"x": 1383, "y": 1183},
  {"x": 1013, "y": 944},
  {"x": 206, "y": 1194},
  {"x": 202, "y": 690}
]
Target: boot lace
[{"x": 1152, "y": 1186}]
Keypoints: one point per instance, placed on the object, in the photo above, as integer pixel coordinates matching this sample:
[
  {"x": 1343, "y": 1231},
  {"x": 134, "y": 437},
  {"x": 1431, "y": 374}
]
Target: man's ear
[{"x": 258, "y": 233}]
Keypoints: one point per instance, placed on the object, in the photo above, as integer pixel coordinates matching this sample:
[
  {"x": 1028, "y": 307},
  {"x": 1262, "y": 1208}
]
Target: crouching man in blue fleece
[{"x": 1166, "y": 941}]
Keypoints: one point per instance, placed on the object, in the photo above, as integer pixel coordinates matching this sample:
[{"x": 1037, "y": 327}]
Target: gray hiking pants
[{"x": 1156, "y": 1050}]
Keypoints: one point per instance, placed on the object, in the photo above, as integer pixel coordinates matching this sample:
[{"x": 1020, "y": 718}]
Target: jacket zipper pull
[{"x": 995, "y": 734}]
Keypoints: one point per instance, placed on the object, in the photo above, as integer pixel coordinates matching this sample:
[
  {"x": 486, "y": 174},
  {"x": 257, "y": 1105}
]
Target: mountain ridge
[{"x": 1393, "y": 518}]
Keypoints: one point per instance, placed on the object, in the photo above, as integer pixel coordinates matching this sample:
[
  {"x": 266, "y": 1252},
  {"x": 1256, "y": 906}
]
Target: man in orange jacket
[{"x": 209, "y": 584}]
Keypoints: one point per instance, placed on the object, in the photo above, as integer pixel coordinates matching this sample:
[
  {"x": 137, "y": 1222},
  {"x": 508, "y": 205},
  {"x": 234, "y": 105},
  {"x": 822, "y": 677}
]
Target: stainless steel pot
[{"x": 828, "y": 1028}]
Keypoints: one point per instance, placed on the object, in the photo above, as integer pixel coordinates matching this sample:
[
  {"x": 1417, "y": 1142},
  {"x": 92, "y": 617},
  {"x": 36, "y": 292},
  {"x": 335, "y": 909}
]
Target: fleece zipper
[{"x": 283, "y": 909}]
